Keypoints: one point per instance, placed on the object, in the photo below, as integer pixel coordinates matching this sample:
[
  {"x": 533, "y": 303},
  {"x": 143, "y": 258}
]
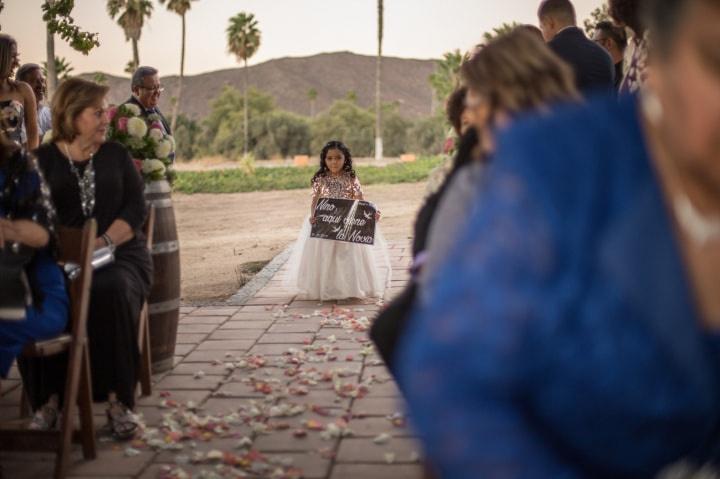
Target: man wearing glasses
[{"x": 146, "y": 90}]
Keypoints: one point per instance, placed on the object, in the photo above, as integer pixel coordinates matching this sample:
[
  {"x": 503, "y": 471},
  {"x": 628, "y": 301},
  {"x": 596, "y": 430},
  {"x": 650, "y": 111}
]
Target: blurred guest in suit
[
  {"x": 592, "y": 65},
  {"x": 613, "y": 39}
]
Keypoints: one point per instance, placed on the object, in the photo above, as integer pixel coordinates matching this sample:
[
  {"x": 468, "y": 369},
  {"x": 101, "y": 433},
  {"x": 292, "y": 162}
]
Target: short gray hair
[
  {"x": 25, "y": 70},
  {"x": 140, "y": 74}
]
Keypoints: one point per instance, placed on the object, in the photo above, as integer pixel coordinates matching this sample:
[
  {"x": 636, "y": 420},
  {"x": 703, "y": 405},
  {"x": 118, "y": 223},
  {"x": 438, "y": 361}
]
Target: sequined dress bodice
[{"x": 344, "y": 187}]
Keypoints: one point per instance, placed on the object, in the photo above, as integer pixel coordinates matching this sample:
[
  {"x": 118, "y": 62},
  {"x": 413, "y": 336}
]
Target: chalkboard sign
[{"x": 352, "y": 221}]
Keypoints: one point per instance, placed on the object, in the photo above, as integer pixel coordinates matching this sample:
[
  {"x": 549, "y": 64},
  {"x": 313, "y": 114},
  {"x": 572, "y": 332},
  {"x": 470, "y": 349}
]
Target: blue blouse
[{"x": 560, "y": 338}]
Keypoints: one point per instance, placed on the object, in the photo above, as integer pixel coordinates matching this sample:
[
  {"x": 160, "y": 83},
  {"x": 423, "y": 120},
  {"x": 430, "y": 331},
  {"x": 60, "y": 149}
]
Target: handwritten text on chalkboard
[{"x": 352, "y": 221}]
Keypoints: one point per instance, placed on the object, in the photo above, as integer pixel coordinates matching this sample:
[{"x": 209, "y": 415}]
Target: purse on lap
[{"x": 15, "y": 293}]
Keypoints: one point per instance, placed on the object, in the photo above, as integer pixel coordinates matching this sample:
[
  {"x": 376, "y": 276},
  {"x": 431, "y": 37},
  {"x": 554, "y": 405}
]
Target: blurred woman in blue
[
  {"x": 574, "y": 327},
  {"x": 33, "y": 296}
]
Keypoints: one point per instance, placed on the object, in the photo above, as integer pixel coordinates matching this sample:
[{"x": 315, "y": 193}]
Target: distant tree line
[{"x": 277, "y": 133}]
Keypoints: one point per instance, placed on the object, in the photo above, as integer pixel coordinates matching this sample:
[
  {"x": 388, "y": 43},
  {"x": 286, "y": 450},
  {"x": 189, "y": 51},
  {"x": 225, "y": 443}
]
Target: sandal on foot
[
  {"x": 121, "y": 421},
  {"x": 45, "y": 418}
]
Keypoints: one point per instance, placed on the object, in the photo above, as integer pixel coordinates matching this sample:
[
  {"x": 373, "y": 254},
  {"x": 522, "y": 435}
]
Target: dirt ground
[{"x": 222, "y": 236}]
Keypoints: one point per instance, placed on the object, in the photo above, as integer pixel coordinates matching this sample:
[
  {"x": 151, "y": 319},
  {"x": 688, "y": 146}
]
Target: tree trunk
[
  {"x": 245, "y": 111},
  {"x": 136, "y": 53},
  {"x": 178, "y": 97},
  {"x": 378, "y": 71},
  {"x": 52, "y": 78}
]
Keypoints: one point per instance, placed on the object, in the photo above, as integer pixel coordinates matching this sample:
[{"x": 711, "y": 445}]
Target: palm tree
[
  {"x": 312, "y": 96},
  {"x": 131, "y": 15},
  {"x": 63, "y": 68},
  {"x": 243, "y": 37},
  {"x": 446, "y": 76},
  {"x": 180, "y": 7},
  {"x": 51, "y": 76},
  {"x": 378, "y": 71}
]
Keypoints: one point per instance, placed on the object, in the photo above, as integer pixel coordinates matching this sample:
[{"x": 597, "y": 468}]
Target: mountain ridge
[{"x": 288, "y": 80}]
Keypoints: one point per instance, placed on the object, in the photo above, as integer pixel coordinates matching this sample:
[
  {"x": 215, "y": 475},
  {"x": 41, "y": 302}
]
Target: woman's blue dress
[
  {"x": 561, "y": 339},
  {"x": 47, "y": 317}
]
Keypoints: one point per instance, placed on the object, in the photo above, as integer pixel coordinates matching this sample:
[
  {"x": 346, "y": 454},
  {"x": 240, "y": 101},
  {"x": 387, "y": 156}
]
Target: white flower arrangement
[
  {"x": 137, "y": 127},
  {"x": 133, "y": 108},
  {"x": 146, "y": 140},
  {"x": 153, "y": 166},
  {"x": 156, "y": 134},
  {"x": 163, "y": 148}
]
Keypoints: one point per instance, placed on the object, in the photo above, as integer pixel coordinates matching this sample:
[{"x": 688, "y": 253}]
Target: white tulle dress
[{"x": 322, "y": 269}]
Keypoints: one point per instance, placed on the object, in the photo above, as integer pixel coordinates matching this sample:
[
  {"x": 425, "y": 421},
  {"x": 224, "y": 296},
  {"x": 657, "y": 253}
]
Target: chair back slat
[{"x": 77, "y": 246}]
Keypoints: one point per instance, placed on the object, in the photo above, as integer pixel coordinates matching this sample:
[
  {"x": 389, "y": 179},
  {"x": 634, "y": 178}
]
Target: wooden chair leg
[
  {"x": 24, "y": 403},
  {"x": 145, "y": 362},
  {"x": 67, "y": 424},
  {"x": 87, "y": 427}
]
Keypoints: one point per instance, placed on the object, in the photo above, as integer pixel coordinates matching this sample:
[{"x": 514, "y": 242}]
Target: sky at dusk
[{"x": 413, "y": 29}]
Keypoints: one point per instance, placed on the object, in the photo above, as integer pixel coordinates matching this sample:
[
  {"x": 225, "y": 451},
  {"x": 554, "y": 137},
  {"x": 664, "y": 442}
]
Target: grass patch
[
  {"x": 293, "y": 178},
  {"x": 246, "y": 271}
]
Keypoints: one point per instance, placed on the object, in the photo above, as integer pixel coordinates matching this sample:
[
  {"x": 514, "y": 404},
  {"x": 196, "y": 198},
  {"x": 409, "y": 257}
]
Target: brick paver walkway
[{"x": 275, "y": 387}]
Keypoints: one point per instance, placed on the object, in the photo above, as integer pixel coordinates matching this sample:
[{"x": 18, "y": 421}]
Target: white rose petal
[
  {"x": 136, "y": 127},
  {"x": 130, "y": 452},
  {"x": 132, "y": 108},
  {"x": 156, "y": 134},
  {"x": 163, "y": 149},
  {"x": 153, "y": 166}
]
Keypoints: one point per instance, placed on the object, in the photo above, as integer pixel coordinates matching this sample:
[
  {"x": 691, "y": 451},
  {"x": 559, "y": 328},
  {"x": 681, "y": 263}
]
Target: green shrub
[
  {"x": 187, "y": 135},
  {"x": 347, "y": 122},
  {"x": 427, "y": 136}
]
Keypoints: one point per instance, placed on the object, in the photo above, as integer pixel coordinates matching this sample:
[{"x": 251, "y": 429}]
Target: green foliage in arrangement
[{"x": 291, "y": 178}]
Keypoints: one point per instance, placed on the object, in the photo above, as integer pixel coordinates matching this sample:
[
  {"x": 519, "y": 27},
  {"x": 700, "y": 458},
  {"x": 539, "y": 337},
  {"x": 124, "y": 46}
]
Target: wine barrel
[{"x": 164, "y": 300}]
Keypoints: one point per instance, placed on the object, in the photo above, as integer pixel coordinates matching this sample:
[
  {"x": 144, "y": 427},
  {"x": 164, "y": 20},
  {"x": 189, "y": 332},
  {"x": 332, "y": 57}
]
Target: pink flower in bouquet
[
  {"x": 138, "y": 164},
  {"x": 122, "y": 124},
  {"x": 156, "y": 124},
  {"x": 112, "y": 111},
  {"x": 449, "y": 145}
]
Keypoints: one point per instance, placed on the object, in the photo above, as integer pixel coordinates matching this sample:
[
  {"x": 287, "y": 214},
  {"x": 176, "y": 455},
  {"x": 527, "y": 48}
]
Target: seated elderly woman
[
  {"x": 92, "y": 178},
  {"x": 33, "y": 298}
]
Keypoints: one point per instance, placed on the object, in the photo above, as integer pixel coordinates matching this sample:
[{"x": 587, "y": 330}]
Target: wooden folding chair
[
  {"x": 145, "y": 373},
  {"x": 76, "y": 246}
]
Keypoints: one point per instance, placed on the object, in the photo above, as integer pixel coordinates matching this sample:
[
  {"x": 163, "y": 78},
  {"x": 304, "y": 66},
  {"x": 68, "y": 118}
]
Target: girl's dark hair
[
  {"x": 455, "y": 108},
  {"x": 334, "y": 145}
]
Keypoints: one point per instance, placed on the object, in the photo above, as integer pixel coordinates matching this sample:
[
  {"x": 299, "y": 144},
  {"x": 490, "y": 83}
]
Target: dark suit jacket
[
  {"x": 144, "y": 112},
  {"x": 594, "y": 69}
]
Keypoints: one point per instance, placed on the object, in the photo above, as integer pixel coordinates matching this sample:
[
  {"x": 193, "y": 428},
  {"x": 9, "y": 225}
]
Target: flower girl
[{"x": 326, "y": 269}]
